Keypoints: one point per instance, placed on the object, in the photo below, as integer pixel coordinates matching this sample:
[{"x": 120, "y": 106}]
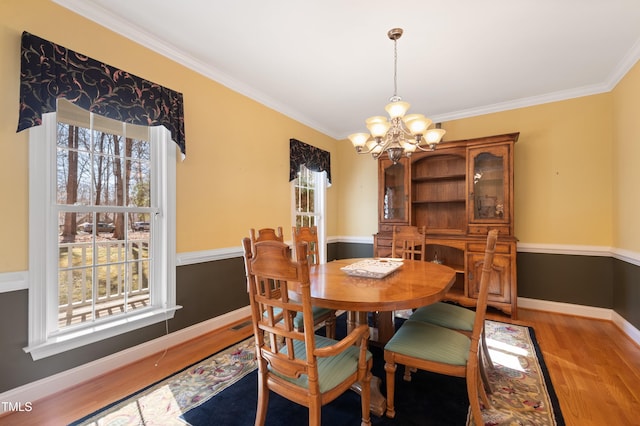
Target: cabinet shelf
[
  {"x": 458, "y": 268},
  {"x": 438, "y": 178},
  {"x": 451, "y": 200}
]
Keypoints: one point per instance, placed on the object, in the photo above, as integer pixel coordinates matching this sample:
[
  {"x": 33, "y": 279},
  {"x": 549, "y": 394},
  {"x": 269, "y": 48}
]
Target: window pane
[
  {"x": 75, "y": 295},
  {"x": 305, "y": 198},
  {"x": 137, "y": 171},
  {"x": 104, "y": 260}
]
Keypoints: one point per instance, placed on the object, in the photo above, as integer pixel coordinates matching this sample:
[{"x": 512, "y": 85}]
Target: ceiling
[{"x": 329, "y": 63}]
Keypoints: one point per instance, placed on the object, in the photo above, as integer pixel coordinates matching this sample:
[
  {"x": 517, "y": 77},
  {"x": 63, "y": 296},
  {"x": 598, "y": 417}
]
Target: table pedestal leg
[{"x": 386, "y": 326}]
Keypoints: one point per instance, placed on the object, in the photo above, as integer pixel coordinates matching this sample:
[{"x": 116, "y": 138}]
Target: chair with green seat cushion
[
  {"x": 301, "y": 366},
  {"x": 430, "y": 342},
  {"x": 309, "y": 235},
  {"x": 430, "y": 347},
  {"x": 320, "y": 315},
  {"x": 332, "y": 370},
  {"x": 446, "y": 315},
  {"x": 456, "y": 318}
]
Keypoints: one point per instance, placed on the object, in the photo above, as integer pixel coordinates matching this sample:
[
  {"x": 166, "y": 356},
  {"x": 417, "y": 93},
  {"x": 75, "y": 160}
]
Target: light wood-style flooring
[{"x": 594, "y": 367}]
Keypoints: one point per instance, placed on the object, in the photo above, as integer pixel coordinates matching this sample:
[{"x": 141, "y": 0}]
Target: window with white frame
[
  {"x": 102, "y": 229},
  {"x": 308, "y": 203}
]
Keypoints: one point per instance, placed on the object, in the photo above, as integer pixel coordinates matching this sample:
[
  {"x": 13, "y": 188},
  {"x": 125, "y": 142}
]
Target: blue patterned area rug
[{"x": 222, "y": 390}]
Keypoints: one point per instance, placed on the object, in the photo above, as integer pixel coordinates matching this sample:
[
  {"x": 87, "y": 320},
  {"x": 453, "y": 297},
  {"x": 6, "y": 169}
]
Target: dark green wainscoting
[
  {"x": 581, "y": 280},
  {"x": 626, "y": 291},
  {"x": 348, "y": 250},
  {"x": 209, "y": 289}
]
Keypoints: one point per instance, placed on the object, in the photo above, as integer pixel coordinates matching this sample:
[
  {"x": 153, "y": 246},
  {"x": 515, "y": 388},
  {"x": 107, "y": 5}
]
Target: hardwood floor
[{"x": 594, "y": 367}]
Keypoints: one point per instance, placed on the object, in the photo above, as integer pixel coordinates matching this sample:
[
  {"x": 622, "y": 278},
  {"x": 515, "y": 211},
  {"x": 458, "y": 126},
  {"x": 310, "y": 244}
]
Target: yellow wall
[
  {"x": 563, "y": 166},
  {"x": 626, "y": 154},
  {"x": 358, "y": 192},
  {"x": 563, "y": 171},
  {"x": 235, "y": 175}
]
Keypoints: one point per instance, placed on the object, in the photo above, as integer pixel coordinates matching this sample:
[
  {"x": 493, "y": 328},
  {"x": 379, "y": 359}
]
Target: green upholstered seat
[
  {"x": 430, "y": 342},
  {"x": 446, "y": 315},
  {"x": 298, "y": 320},
  {"x": 332, "y": 370}
]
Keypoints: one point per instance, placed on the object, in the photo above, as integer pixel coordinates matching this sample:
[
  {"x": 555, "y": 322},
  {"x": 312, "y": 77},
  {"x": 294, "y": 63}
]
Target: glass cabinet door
[
  {"x": 393, "y": 196},
  {"x": 489, "y": 190}
]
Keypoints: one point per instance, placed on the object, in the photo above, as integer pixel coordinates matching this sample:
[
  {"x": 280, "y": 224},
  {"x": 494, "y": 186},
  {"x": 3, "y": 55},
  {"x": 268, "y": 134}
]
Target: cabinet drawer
[
  {"x": 484, "y": 229},
  {"x": 480, "y": 248},
  {"x": 386, "y": 227}
]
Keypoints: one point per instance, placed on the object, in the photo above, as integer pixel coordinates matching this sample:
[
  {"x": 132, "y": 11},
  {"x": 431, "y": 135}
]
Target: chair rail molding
[{"x": 12, "y": 281}]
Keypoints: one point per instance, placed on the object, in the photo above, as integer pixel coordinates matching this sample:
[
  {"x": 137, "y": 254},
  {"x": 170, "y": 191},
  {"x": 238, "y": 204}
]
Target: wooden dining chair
[
  {"x": 301, "y": 366},
  {"x": 457, "y": 318},
  {"x": 429, "y": 347},
  {"x": 409, "y": 242},
  {"x": 266, "y": 234},
  {"x": 309, "y": 234}
]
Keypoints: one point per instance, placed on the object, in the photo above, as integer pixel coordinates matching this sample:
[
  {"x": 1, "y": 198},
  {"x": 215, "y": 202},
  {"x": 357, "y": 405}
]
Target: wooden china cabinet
[{"x": 458, "y": 192}]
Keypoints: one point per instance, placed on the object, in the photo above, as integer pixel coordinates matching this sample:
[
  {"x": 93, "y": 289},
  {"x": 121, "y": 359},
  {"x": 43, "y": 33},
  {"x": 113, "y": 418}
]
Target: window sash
[
  {"x": 314, "y": 213},
  {"x": 44, "y": 337}
]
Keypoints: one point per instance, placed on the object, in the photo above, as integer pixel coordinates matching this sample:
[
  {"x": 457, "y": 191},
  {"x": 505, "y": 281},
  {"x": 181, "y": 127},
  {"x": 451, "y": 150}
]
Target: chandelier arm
[
  {"x": 432, "y": 147},
  {"x": 381, "y": 143}
]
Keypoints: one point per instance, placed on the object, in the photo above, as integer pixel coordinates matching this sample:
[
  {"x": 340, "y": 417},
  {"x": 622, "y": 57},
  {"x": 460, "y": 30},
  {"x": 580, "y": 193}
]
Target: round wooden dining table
[{"x": 414, "y": 284}]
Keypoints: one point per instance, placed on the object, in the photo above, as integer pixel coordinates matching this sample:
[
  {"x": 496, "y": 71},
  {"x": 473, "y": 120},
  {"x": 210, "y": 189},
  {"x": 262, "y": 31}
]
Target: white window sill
[{"x": 72, "y": 339}]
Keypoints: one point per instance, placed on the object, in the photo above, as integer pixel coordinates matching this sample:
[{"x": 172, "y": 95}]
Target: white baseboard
[
  {"x": 565, "y": 308},
  {"x": 582, "y": 311},
  {"x": 50, "y": 385},
  {"x": 626, "y": 327}
]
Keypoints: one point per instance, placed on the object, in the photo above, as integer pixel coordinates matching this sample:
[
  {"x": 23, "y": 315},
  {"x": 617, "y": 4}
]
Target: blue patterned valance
[
  {"x": 314, "y": 159},
  {"x": 49, "y": 71}
]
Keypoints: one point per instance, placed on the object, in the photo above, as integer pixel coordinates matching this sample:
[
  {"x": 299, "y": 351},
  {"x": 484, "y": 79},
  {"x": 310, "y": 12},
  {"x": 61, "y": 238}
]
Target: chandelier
[{"x": 402, "y": 134}]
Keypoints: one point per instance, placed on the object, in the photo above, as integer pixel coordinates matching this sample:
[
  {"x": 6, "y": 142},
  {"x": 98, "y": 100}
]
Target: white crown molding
[
  {"x": 103, "y": 17},
  {"x": 523, "y": 102},
  {"x": 625, "y": 65},
  {"x": 53, "y": 384}
]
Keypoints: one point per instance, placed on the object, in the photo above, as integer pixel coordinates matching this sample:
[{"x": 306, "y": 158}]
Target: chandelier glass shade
[{"x": 401, "y": 134}]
